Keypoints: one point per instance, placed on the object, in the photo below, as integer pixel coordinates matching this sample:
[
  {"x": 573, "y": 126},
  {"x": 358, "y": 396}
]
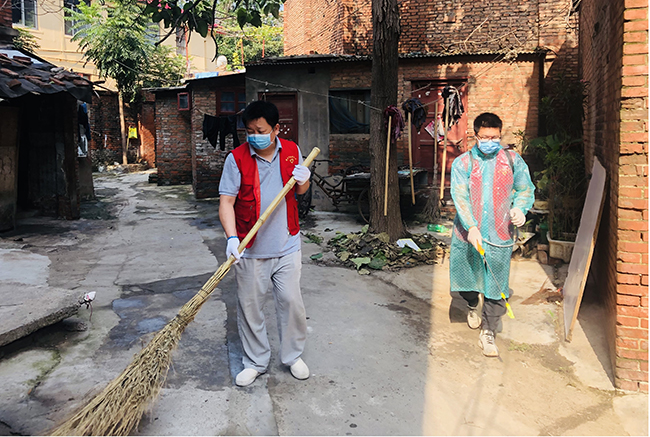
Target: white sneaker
[
  {"x": 486, "y": 342},
  {"x": 299, "y": 370},
  {"x": 474, "y": 314},
  {"x": 246, "y": 377},
  {"x": 473, "y": 317}
]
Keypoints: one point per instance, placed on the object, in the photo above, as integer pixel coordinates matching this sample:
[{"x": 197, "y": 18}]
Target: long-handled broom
[{"x": 118, "y": 409}]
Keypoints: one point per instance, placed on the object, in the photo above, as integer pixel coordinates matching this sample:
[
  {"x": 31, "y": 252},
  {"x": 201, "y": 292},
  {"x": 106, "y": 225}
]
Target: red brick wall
[
  {"x": 208, "y": 161},
  {"x": 632, "y": 263},
  {"x": 431, "y": 26},
  {"x": 325, "y": 27},
  {"x": 613, "y": 45},
  {"x": 5, "y": 14},
  {"x": 105, "y": 139},
  {"x": 346, "y": 150},
  {"x": 512, "y": 90},
  {"x": 147, "y": 129},
  {"x": 173, "y": 145}
]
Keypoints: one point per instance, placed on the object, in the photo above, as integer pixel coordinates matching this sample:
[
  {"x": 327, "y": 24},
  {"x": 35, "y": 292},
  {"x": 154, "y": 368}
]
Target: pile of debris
[{"x": 364, "y": 250}]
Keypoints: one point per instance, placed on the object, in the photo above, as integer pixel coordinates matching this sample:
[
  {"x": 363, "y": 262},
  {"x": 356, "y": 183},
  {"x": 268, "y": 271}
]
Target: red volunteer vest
[{"x": 248, "y": 202}]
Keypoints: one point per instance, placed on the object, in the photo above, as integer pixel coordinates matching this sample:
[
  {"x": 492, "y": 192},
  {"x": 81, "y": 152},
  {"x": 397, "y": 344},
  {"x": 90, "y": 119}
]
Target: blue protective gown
[{"x": 484, "y": 189}]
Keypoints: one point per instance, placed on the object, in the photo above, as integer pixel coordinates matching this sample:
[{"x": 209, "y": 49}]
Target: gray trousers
[{"x": 253, "y": 279}]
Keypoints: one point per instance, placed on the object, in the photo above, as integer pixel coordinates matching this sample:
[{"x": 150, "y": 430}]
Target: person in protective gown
[{"x": 492, "y": 192}]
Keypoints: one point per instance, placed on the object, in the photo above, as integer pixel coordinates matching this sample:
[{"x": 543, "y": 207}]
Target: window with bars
[{"x": 23, "y": 13}]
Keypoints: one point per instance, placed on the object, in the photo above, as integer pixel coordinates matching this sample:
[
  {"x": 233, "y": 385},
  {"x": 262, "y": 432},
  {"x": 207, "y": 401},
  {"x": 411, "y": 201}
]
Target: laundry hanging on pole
[
  {"x": 397, "y": 121},
  {"x": 416, "y": 108},
  {"x": 452, "y": 104}
]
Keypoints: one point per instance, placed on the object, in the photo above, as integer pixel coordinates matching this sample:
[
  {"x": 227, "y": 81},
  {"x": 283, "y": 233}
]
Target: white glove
[
  {"x": 231, "y": 249},
  {"x": 301, "y": 174},
  {"x": 474, "y": 237},
  {"x": 517, "y": 217}
]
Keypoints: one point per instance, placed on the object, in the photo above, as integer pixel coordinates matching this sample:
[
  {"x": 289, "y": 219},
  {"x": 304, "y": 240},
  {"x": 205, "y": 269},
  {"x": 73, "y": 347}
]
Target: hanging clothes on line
[
  {"x": 419, "y": 114},
  {"x": 453, "y": 105},
  {"x": 217, "y": 128}
]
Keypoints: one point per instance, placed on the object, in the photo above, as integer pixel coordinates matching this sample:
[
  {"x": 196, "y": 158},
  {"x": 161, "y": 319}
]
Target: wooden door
[
  {"x": 424, "y": 145},
  {"x": 288, "y": 109}
]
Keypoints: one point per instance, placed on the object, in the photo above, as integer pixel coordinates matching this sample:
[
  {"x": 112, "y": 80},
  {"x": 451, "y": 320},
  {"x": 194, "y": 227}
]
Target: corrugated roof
[
  {"x": 324, "y": 58},
  {"x": 23, "y": 73},
  {"x": 307, "y": 59},
  {"x": 163, "y": 89},
  {"x": 215, "y": 75}
]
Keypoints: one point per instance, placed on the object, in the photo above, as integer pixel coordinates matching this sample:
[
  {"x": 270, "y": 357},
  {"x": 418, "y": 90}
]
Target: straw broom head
[{"x": 118, "y": 409}]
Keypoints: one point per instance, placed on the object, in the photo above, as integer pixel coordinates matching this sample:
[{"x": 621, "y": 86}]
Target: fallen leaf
[{"x": 360, "y": 261}]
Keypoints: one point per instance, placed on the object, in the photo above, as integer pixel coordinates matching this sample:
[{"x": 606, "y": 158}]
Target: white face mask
[
  {"x": 489, "y": 146},
  {"x": 259, "y": 141}
]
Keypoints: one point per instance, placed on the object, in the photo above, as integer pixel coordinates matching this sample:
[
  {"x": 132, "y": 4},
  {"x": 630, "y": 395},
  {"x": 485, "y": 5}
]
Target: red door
[
  {"x": 288, "y": 109},
  {"x": 424, "y": 145}
]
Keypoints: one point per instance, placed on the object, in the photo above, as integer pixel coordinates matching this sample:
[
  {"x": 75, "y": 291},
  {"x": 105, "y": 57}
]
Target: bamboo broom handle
[
  {"x": 444, "y": 153},
  {"x": 390, "y": 118},
  {"x": 411, "y": 161},
  {"x": 289, "y": 185},
  {"x": 210, "y": 285},
  {"x": 435, "y": 146}
]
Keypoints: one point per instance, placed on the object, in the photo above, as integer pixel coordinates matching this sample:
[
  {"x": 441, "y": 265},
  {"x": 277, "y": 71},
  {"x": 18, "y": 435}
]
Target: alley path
[{"x": 389, "y": 353}]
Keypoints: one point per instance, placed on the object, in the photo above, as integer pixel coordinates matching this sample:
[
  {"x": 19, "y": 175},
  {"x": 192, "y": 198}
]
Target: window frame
[
  {"x": 186, "y": 95},
  {"x": 236, "y": 102},
  {"x": 336, "y": 93},
  {"x": 21, "y": 23}
]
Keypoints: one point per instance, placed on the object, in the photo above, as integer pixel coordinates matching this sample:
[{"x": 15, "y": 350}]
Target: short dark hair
[
  {"x": 487, "y": 119},
  {"x": 261, "y": 109}
]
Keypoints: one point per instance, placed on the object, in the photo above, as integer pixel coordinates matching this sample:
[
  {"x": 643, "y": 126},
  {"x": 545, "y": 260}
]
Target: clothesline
[
  {"x": 267, "y": 83},
  {"x": 361, "y": 102}
]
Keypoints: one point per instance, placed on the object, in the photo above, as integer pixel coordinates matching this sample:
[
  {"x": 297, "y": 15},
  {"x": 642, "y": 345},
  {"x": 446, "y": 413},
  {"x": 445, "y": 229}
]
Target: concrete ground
[{"x": 389, "y": 353}]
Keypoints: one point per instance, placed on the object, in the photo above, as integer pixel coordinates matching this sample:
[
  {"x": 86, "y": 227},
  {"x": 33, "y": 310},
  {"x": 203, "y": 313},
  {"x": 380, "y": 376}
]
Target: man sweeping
[
  {"x": 492, "y": 191},
  {"x": 254, "y": 173}
]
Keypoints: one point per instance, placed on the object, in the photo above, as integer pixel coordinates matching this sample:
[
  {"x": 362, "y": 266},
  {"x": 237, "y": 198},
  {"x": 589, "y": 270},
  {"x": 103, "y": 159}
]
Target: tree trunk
[
  {"x": 120, "y": 103},
  {"x": 385, "y": 25}
]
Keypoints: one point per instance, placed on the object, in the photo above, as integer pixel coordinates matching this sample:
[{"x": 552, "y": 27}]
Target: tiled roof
[{"x": 24, "y": 73}]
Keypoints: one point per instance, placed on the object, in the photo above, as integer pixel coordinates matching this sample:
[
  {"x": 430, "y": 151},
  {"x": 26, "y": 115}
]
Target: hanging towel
[{"x": 452, "y": 96}]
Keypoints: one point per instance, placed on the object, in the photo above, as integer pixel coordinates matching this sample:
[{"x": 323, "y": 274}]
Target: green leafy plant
[
  {"x": 26, "y": 40},
  {"x": 258, "y": 42},
  {"x": 563, "y": 180},
  {"x": 201, "y": 15},
  {"x": 116, "y": 37}
]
